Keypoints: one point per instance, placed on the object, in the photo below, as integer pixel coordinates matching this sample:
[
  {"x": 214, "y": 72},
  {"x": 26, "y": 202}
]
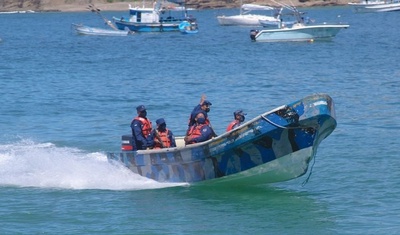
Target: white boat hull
[
  {"x": 298, "y": 33},
  {"x": 375, "y": 6},
  {"x": 85, "y": 30},
  {"x": 245, "y": 20}
]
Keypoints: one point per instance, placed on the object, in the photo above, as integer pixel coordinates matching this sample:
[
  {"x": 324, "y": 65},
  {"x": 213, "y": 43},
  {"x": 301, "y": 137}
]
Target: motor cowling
[
  {"x": 253, "y": 34},
  {"x": 127, "y": 143}
]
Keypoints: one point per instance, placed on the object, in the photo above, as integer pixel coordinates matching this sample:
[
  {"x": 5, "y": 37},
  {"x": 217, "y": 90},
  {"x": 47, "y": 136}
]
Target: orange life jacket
[
  {"x": 195, "y": 131},
  {"x": 232, "y": 124},
  {"x": 163, "y": 136},
  {"x": 147, "y": 127}
]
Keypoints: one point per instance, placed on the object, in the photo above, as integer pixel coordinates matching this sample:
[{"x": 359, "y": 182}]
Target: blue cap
[
  {"x": 140, "y": 108},
  {"x": 206, "y": 102},
  {"x": 160, "y": 121}
]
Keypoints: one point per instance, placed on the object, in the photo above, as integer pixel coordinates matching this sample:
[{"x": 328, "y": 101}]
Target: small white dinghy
[{"x": 86, "y": 30}]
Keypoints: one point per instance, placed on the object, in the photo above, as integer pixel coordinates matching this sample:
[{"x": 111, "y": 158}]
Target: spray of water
[{"x": 29, "y": 164}]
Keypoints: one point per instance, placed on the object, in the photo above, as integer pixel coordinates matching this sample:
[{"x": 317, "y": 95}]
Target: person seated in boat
[
  {"x": 141, "y": 130},
  {"x": 203, "y": 107},
  {"x": 239, "y": 119},
  {"x": 162, "y": 136},
  {"x": 199, "y": 132}
]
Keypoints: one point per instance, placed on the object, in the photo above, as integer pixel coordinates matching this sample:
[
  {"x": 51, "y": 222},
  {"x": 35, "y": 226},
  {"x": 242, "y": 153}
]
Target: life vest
[
  {"x": 195, "y": 131},
  {"x": 146, "y": 129},
  {"x": 234, "y": 123},
  {"x": 163, "y": 136}
]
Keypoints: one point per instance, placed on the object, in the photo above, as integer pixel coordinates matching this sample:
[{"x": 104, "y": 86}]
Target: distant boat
[
  {"x": 367, "y": 6},
  {"x": 299, "y": 31},
  {"x": 16, "y": 12},
  {"x": 159, "y": 18},
  {"x": 275, "y": 146},
  {"x": 187, "y": 27},
  {"x": 112, "y": 31},
  {"x": 246, "y": 19},
  {"x": 86, "y": 30}
]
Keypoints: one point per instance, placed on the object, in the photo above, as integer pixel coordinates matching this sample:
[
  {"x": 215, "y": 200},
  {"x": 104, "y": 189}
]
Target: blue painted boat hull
[
  {"x": 147, "y": 27},
  {"x": 275, "y": 146}
]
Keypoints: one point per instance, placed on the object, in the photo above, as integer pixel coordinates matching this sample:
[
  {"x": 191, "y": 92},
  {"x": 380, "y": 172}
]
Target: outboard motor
[
  {"x": 253, "y": 34},
  {"x": 127, "y": 143}
]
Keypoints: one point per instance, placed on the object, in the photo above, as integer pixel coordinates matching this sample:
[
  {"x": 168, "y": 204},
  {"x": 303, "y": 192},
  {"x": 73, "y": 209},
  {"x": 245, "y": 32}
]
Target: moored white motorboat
[
  {"x": 299, "y": 31},
  {"x": 246, "y": 19},
  {"x": 367, "y": 6}
]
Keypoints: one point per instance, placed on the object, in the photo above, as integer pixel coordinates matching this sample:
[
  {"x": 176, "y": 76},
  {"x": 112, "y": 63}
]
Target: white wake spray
[{"x": 29, "y": 164}]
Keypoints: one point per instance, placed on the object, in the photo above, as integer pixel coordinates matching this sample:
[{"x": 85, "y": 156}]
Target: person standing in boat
[
  {"x": 141, "y": 130},
  {"x": 162, "y": 136},
  {"x": 199, "y": 132},
  {"x": 203, "y": 107},
  {"x": 239, "y": 119}
]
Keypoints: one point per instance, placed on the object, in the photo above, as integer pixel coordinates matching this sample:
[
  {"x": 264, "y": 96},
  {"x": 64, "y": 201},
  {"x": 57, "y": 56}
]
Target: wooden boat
[
  {"x": 86, "y": 30},
  {"x": 275, "y": 146}
]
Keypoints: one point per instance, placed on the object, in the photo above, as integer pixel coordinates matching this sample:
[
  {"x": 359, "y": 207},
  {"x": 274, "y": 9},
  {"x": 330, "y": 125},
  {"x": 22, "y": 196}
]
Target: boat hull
[
  {"x": 147, "y": 27},
  {"x": 275, "y": 146},
  {"x": 245, "y": 20},
  {"x": 85, "y": 30},
  {"x": 375, "y": 6},
  {"x": 305, "y": 33}
]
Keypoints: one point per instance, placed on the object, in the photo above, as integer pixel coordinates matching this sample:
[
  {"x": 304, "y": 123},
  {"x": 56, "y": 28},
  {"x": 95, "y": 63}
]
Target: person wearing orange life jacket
[
  {"x": 203, "y": 107},
  {"x": 199, "y": 132},
  {"x": 141, "y": 130},
  {"x": 239, "y": 119},
  {"x": 162, "y": 136}
]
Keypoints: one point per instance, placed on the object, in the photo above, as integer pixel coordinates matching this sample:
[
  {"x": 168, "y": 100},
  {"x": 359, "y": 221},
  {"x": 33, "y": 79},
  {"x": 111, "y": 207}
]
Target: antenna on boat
[{"x": 96, "y": 10}]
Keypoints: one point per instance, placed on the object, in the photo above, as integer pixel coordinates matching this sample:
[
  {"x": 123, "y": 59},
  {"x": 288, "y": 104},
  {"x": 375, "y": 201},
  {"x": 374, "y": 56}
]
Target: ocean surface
[{"x": 66, "y": 100}]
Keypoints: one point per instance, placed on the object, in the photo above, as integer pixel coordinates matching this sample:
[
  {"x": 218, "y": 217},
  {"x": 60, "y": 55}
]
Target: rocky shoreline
[{"x": 81, "y": 5}]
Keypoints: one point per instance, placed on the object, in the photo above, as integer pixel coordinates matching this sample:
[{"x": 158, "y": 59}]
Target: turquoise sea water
[{"x": 66, "y": 100}]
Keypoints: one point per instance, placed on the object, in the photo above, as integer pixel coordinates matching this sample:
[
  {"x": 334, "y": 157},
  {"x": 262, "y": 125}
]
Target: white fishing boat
[
  {"x": 299, "y": 31},
  {"x": 367, "y": 6},
  {"x": 247, "y": 19}
]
